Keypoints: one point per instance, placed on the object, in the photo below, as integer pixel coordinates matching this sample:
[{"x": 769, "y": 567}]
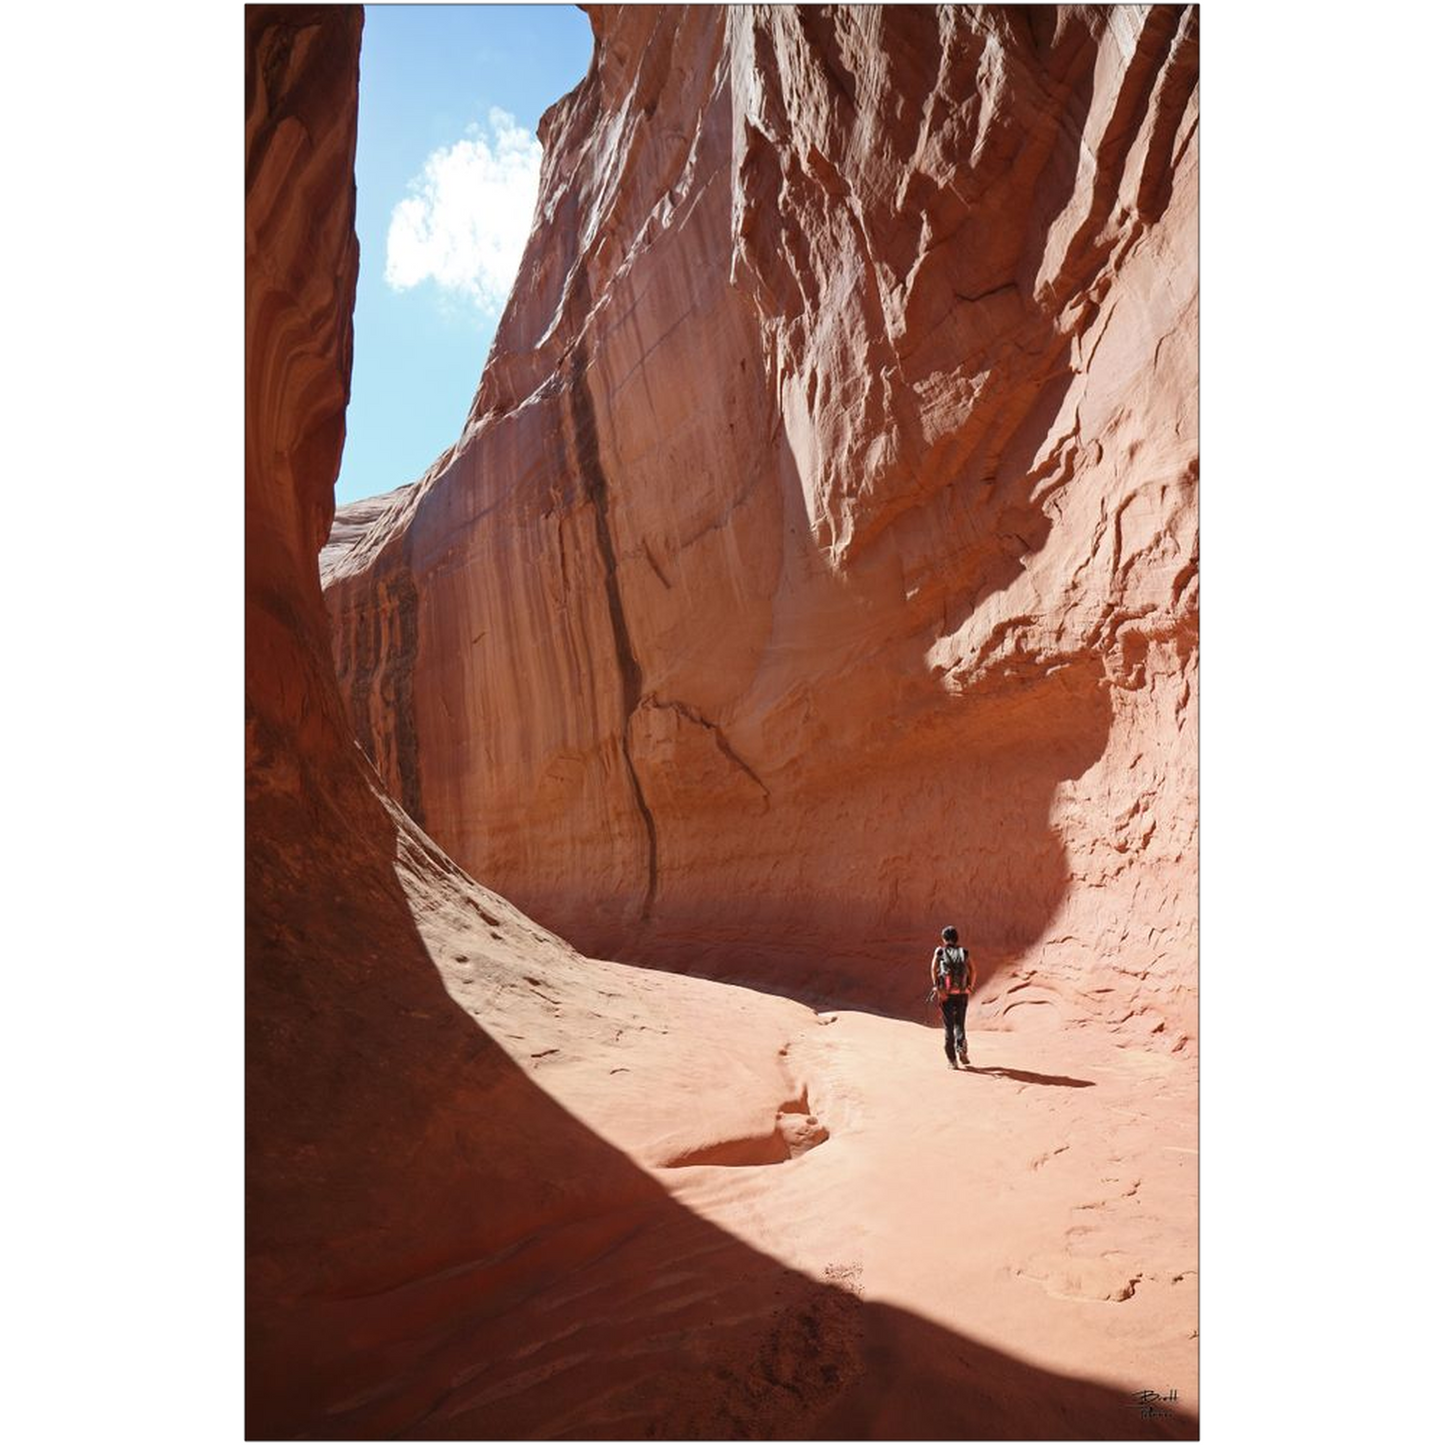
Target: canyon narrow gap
[{"x": 818, "y": 565}]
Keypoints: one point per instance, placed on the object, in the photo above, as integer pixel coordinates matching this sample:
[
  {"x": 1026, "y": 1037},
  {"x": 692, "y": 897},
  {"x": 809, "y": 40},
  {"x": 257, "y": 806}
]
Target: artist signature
[{"x": 1153, "y": 1403}]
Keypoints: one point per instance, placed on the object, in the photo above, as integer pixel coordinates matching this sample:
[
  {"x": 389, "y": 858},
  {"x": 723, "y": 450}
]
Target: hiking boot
[{"x": 963, "y": 1059}]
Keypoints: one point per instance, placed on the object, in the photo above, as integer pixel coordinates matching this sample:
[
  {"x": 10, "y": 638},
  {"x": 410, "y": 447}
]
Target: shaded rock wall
[
  {"x": 818, "y": 562},
  {"x": 372, "y": 1104}
]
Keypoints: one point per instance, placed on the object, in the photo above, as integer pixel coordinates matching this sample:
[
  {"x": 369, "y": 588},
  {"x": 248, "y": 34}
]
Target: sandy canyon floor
[
  {"x": 832, "y": 1234},
  {"x": 1041, "y": 1202}
]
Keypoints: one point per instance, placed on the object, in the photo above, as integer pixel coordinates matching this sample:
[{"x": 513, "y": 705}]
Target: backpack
[{"x": 950, "y": 964}]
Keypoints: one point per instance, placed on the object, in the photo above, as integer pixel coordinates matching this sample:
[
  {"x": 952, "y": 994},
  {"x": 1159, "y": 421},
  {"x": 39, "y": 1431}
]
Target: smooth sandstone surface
[
  {"x": 497, "y": 1189},
  {"x": 818, "y": 563}
]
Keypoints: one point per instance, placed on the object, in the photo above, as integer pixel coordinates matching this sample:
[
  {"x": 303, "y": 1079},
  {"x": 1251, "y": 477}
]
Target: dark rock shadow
[{"x": 1002, "y": 755}]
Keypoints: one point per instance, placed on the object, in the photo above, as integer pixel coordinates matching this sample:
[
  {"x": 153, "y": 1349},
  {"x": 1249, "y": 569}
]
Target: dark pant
[{"x": 955, "y": 1006}]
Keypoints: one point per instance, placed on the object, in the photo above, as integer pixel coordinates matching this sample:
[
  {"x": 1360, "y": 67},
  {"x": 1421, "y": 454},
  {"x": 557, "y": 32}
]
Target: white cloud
[{"x": 467, "y": 216}]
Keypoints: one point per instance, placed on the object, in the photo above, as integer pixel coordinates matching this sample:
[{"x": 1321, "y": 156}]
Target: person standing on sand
[{"x": 953, "y": 976}]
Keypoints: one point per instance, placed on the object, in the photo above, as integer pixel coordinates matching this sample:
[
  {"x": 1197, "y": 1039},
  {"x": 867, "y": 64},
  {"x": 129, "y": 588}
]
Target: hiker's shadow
[{"x": 1023, "y": 1076}]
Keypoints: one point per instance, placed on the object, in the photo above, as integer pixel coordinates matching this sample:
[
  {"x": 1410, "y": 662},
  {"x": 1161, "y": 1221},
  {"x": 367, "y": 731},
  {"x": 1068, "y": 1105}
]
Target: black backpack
[{"x": 953, "y": 970}]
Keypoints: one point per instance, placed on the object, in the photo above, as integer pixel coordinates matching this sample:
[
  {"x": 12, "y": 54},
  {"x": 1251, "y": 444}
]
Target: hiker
[{"x": 953, "y": 976}]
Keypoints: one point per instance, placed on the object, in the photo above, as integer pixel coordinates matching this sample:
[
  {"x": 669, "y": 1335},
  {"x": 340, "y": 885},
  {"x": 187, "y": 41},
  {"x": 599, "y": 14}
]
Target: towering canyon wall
[
  {"x": 389, "y": 1139},
  {"x": 817, "y": 565}
]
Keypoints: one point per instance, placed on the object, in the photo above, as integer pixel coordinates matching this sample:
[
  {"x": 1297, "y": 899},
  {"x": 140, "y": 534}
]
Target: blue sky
[{"x": 445, "y": 180}]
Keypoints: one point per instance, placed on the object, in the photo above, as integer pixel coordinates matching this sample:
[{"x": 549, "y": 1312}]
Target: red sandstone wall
[
  {"x": 373, "y": 1104},
  {"x": 818, "y": 563}
]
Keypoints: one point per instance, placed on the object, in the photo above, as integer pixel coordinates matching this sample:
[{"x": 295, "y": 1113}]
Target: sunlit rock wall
[{"x": 818, "y": 563}]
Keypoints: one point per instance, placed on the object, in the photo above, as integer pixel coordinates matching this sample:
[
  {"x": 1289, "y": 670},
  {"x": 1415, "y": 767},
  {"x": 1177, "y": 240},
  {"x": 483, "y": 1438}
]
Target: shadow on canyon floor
[
  {"x": 437, "y": 1249},
  {"x": 1023, "y": 1076}
]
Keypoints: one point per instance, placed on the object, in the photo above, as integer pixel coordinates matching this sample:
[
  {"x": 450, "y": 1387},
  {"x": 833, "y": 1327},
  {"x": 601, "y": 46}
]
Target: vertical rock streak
[
  {"x": 398, "y": 694},
  {"x": 587, "y": 458},
  {"x": 376, "y": 650}
]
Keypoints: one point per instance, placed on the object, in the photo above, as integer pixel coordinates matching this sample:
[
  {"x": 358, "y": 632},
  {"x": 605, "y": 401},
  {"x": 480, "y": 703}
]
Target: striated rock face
[{"x": 818, "y": 563}]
